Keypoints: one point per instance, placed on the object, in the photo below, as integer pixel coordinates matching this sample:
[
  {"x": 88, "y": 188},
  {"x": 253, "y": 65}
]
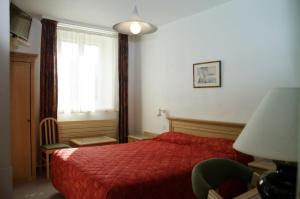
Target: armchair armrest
[
  {"x": 212, "y": 194},
  {"x": 254, "y": 179}
]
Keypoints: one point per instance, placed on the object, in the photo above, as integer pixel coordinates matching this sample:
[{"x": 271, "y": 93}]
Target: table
[
  {"x": 138, "y": 137},
  {"x": 251, "y": 194},
  {"x": 261, "y": 166},
  {"x": 90, "y": 141}
]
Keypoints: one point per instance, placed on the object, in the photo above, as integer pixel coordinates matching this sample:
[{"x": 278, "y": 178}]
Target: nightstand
[
  {"x": 261, "y": 166},
  {"x": 135, "y": 138}
]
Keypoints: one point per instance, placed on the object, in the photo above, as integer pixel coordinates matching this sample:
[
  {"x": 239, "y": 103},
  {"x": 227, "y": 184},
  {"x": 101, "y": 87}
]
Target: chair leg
[
  {"x": 47, "y": 164},
  {"x": 41, "y": 162}
]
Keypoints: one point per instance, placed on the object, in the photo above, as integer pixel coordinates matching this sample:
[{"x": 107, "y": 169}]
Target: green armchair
[{"x": 209, "y": 174}]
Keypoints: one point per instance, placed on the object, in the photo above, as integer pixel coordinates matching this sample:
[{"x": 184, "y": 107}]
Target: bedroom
[{"x": 256, "y": 41}]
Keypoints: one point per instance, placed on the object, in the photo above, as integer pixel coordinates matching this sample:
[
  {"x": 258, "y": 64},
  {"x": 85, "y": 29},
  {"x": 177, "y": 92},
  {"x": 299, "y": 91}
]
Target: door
[{"x": 20, "y": 121}]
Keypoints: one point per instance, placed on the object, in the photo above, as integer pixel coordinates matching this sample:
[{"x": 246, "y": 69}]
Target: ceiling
[{"x": 108, "y": 12}]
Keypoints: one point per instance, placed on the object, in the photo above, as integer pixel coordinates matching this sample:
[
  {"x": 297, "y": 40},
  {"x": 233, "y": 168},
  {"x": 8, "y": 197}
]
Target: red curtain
[
  {"x": 123, "y": 88},
  {"x": 48, "y": 70}
]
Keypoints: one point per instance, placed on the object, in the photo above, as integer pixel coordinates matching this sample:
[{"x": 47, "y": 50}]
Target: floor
[{"x": 38, "y": 189}]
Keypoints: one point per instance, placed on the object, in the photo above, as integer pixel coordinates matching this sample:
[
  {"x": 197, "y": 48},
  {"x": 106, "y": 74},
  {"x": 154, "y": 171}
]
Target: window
[{"x": 86, "y": 70}]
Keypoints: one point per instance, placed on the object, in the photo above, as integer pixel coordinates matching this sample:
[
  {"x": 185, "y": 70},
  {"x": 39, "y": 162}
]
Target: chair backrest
[
  {"x": 48, "y": 129},
  {"x": 209, "y": 174}
]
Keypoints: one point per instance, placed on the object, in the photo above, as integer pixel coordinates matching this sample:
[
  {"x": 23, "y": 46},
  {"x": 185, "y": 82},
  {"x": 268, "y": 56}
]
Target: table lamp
[{"x": 272, "y": 133}]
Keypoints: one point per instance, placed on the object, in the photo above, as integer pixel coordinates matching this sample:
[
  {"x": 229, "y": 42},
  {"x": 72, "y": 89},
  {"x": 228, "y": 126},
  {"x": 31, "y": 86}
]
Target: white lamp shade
[
  {"x": 135, "y": 25},
  {"x": 272, "y": 131},
  {"x": 124, "y": 27}
]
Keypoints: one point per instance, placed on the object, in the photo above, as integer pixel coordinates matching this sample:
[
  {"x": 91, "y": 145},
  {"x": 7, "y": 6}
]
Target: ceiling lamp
[{"x": 135, "y": 25}]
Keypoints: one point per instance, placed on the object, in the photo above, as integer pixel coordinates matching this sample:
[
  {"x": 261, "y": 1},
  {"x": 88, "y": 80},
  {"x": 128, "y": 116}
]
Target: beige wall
[{"x": 5, "y": 165}]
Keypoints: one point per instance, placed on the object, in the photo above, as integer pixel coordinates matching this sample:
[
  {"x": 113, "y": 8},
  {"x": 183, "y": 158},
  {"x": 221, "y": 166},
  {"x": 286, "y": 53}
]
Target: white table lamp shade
[{"x": 272, "y": 131}]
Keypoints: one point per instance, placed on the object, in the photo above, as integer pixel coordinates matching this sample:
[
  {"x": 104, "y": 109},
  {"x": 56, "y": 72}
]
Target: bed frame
[{"x": 206, "y": 128}]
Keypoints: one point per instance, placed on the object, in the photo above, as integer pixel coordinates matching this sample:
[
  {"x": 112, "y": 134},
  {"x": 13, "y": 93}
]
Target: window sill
[{"x": 98, "y": 115}]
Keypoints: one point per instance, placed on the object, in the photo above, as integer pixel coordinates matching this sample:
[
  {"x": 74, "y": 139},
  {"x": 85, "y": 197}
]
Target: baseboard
[{"x": 6, "y": 182}]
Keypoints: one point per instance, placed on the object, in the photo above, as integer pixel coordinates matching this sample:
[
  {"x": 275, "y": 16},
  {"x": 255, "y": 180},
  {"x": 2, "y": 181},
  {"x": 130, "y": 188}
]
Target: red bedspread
[{"x": 159, "y": 168}]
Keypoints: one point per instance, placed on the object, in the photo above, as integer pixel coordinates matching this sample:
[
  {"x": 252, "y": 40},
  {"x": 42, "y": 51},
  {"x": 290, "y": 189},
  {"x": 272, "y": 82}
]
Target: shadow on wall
[{"x": 137, "y": 87}]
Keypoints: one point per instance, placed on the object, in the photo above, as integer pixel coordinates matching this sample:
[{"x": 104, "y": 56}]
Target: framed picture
[{"x": 207, "y": 74}]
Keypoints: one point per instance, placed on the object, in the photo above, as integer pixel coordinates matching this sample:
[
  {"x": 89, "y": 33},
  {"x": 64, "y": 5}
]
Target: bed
[{"x": 157, "y": 168}]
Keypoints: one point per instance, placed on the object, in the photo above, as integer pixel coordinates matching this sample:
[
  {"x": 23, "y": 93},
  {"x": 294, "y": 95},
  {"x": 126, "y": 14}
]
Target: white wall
[
  {"x": 5, "y": 165},
  {"x": 256, "y": 42},
  {"x": 131, "y": 83},
  {"x": 297, "y": 15},
  {"x": 298, "y": 176}
]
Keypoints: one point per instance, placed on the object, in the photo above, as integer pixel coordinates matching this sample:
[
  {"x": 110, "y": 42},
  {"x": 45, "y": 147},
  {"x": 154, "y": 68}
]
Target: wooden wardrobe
[{"x": 23, "y": 137}]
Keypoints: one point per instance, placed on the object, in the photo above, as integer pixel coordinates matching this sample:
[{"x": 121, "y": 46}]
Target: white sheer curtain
[{"x": 87, "y": 71}]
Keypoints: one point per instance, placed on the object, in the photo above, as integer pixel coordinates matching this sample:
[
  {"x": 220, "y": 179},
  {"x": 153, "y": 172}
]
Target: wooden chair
[
  {"x": 48, "y": 141},
  {"x": 209, "y": 174}
]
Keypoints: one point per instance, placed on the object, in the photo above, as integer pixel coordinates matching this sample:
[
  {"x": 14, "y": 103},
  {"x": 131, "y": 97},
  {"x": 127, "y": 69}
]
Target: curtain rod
[
  {"x": 68, "y": 24},
  {"x": 64, "y": 26}
]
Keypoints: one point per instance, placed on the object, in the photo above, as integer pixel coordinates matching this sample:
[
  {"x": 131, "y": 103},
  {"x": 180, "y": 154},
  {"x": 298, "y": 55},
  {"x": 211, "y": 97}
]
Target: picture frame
[{"x": 207, "y": 74}]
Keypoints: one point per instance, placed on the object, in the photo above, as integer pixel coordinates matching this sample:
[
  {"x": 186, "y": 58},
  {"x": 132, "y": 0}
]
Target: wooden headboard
[{"x": 206, "y": 128}]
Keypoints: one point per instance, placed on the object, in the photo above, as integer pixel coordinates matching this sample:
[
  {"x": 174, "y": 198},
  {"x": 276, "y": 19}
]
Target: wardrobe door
[{"x": 20, "y": 121}]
